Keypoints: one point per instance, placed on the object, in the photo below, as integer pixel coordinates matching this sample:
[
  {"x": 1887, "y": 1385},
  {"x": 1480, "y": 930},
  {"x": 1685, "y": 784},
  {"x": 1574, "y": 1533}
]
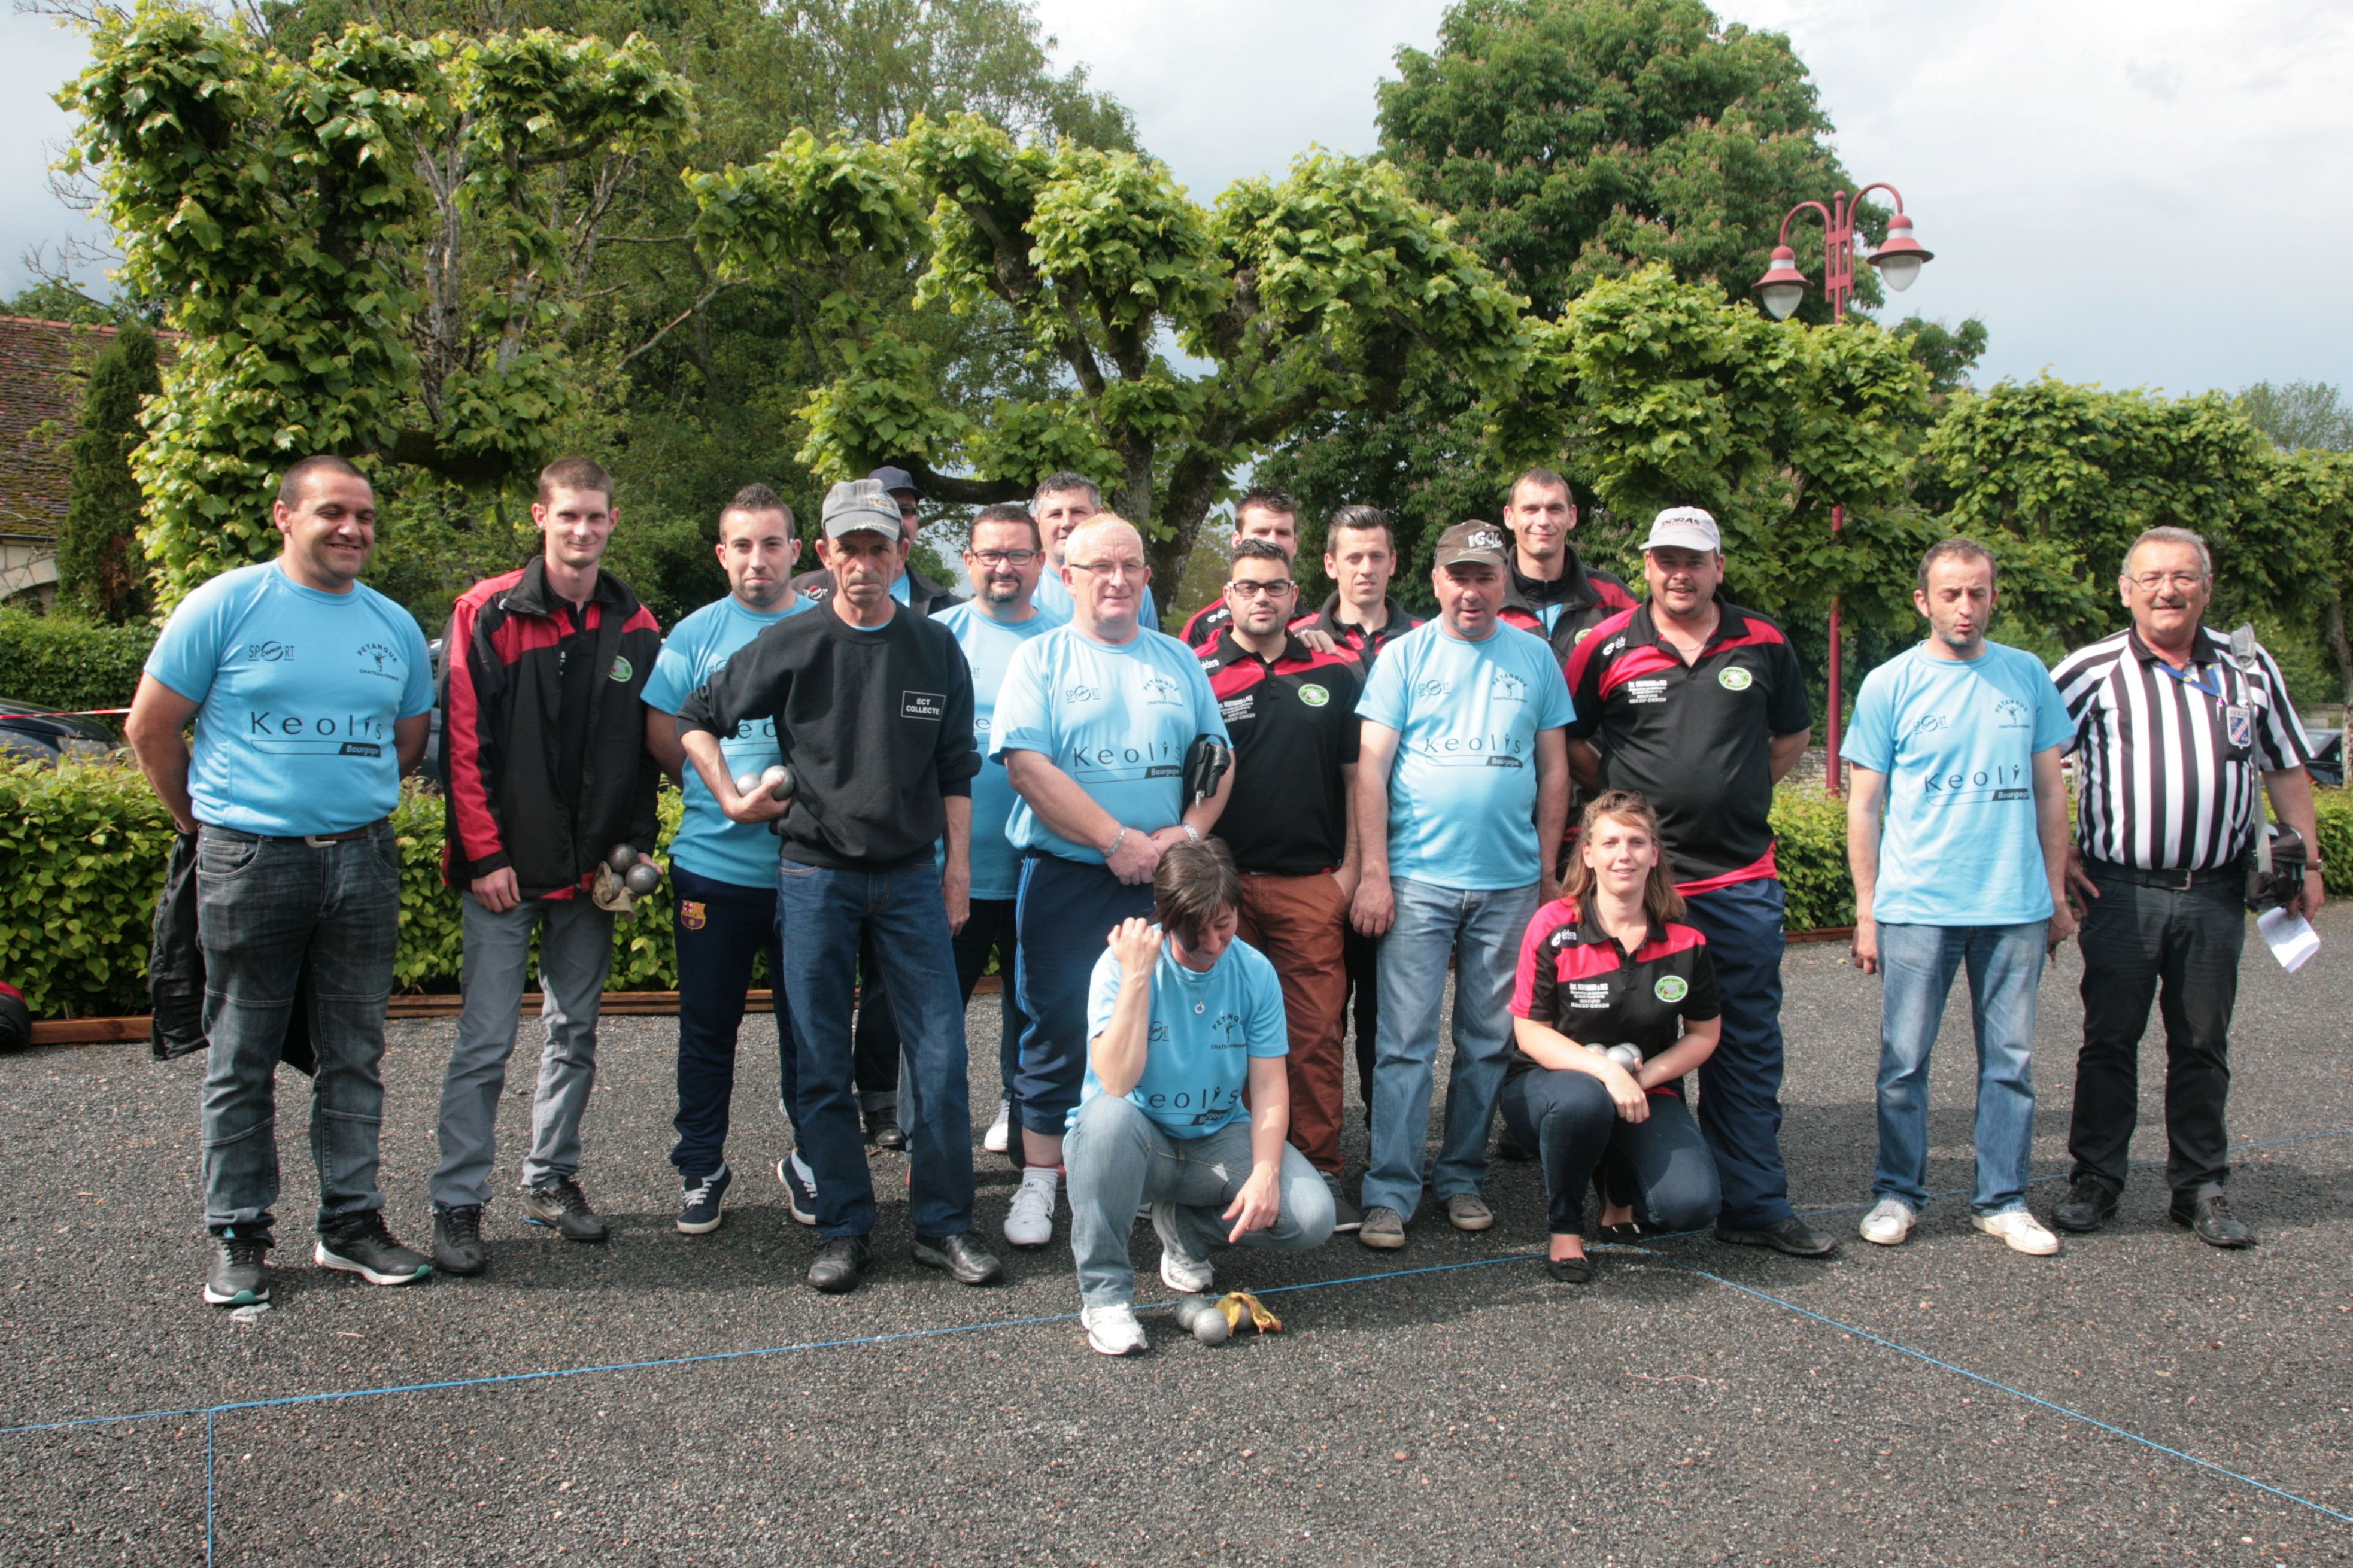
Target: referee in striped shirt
[{"x": 2172, "y": 732}]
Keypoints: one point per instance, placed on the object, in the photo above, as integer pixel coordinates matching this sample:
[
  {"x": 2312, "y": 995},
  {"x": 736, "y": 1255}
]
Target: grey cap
[
  {"x": 860, "y": 506},
  {"x": 1683, "y": 528},
  {"x": 897, "y": 479}
]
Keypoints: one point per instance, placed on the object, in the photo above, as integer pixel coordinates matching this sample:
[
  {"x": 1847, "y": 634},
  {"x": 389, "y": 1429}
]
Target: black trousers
[
  {"x": 2182, "y": 950},
  {"x": 1362, "y": 954}
]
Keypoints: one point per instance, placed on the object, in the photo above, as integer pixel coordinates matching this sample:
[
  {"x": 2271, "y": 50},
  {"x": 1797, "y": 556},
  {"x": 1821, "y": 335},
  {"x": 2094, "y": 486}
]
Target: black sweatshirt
[{"x": 876, "y": 726}]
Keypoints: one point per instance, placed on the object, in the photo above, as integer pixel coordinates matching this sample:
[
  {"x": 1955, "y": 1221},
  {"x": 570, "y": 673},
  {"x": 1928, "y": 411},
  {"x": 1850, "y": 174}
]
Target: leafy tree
[
  {"x": 100, "y": 572},
  {"x": 1323, "y": 290},
  {"x": 2298, "y": 415},
  {"x": 1947, "y": 354}
]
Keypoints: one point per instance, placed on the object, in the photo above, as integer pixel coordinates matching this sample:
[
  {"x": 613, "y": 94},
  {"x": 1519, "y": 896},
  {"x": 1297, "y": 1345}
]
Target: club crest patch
[
  {"x": 1734, "y": 679},
  {"x": 1314, "y": 696},
  {"x": 1670, "y": 988},
  {"x": 622, "y": 669},
  {"x": 2239, "y": 726},
  {"x": 692, "y": 915}
]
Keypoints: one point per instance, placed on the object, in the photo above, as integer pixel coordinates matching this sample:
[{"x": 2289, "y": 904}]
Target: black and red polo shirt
[
  {"x": 1562, "y": 609},
  {"x": 1294, "y": 723},
  {"x": 1366, "y": 646},
  {"x": 1574, "y": 977},
  {"x": 1206, "y": 622},
  {"x": 1695, "y": 741}
]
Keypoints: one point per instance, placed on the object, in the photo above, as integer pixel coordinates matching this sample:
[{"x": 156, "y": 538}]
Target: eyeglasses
[
  {"x": 1004, "y": 557},
  {"x": 1252, "y": 587},
  {"x": 2150, "y": 582},
  {"x": 1112, "y": 569}
]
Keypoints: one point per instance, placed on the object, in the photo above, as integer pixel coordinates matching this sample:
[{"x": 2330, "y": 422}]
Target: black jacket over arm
[{"x": 877, "y": 726}]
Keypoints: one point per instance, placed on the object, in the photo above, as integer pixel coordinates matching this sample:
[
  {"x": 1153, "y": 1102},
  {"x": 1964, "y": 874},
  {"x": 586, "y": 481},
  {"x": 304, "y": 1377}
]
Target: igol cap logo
[
  {"x": 1313, "y": 695},
  {"x": 1483, "y": 540},
  {"x": 621, "y": 668},
  {"x": 1670, "y": 988},
  {"x": 1734, "y": 679}
]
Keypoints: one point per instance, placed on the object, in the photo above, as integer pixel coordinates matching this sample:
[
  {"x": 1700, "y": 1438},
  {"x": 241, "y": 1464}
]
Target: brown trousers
[{"x": 1300, "y": 923}]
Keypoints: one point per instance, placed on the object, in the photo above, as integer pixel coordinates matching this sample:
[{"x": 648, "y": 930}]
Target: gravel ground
[{"x": 1696, "y": 1404}]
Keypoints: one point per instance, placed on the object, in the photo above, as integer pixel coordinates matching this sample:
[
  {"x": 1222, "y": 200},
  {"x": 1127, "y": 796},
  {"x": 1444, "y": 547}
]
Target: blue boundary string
[{"x": 212, "y": 1413}]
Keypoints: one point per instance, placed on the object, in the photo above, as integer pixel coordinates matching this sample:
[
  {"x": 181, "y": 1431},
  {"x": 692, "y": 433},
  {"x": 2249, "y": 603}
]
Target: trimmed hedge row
[
  {"x": 83, "y": 846},
  {"x": 54, "y": 661}
]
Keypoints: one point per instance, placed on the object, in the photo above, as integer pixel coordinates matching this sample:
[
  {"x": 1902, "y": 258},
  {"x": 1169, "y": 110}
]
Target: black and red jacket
[
  {"x": 1580, "y": 598},
  {"x": 1574, "y": 977},
  {"x": 1366, "y": 646},
  {"x": 511, "y": 804},
  {"x": 1294, "y": 722},
  {"x": 1206, "y": 622}
]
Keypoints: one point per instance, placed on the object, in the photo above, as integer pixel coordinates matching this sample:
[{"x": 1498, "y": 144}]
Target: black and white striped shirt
[{"x": 2169, "y": 763}]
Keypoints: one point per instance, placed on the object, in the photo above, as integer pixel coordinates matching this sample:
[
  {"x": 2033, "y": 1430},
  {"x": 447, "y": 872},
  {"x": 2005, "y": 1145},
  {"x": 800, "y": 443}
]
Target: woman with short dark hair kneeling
[
  {"x": 1182, "y": 1019},
  {"x": 1614, "y": 1004}
]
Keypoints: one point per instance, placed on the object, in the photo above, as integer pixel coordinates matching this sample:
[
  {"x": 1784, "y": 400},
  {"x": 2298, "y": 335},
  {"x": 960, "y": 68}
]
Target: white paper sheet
[{"x": 2293, "y": 940}]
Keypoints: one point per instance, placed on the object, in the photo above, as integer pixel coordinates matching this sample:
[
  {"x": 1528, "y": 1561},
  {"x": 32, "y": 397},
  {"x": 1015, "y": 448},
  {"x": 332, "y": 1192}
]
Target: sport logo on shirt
[
  {"x": 2010, "y": 713},
  {"x": 622, "y": 668},
  {"x": 374, "y": 657},
  {"x": 929, "y": 705},
  {"x": 1507, "y": 688},
  {"x": 1313, "y": 695},
  {"x": 1734, "y": 679},
  {"x": 1162, "y": 691},
  {"x": 1670, "y": 988}
]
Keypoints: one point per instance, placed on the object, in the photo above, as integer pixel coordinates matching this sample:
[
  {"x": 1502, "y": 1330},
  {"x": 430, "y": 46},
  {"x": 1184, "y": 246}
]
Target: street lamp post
[{"x": 1899, "y": 259}]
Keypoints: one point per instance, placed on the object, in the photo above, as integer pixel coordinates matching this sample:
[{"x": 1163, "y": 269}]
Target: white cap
[{"x": 1683, "y": 528}]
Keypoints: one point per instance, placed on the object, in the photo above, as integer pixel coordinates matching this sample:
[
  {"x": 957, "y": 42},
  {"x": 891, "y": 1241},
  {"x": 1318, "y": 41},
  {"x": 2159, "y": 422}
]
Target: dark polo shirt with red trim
[
  {"x": 1294, "y": 723},
  {"x": 1574, "y": 977},
  {"x": 1562, "y": 610},
  {"x": 1366, "y": 646},
  {"x": 1695, "y": 741}
]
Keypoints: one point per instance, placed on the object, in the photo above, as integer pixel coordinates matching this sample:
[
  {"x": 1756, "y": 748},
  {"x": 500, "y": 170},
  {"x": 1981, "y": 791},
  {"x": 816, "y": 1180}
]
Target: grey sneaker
[
  {"x": 240, "y": 1276},
  {"x": 1346, "y": 1216},
  {"x": 365, "y": 1246},
  {"x": 563, "y": 1207},
  {"x": 458, "y": 1240},
  {"x": 1179, "y": 1269},
  {"x": 1383, "y": 1229},
  {"x": 1469, "y": 1211}
]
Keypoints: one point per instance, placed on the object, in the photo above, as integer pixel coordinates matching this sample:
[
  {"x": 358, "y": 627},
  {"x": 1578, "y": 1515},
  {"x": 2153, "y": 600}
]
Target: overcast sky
[{"x": 2109, "y": 186}]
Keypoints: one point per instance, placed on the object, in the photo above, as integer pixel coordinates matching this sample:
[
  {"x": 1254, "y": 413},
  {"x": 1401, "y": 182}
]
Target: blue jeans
[
  {"x": 1740, "y": 1084},
  {"x": 1119, "y": 1159},
  {"x": 1916, "y": 968},
  {"x": 1065, "y": 914},
  {"x": 989, "y": 929},
  {"x": 721, "y": 927},
  {"x": 273, "y": 913},
  {"x": 1482, "y": 930},
  {"x": 1659, "y": 1166},
  {"x": 821, "y": 915}
]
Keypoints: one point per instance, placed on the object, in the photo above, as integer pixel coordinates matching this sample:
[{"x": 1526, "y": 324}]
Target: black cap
[{"x": 897, "y": 479}]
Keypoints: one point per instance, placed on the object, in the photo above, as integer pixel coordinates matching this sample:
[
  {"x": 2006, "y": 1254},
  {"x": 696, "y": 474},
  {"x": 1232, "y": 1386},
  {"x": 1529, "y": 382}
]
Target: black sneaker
[
  {"x": 2209, "y": 1215},
  {"x": 563, "y": 1207},
  {"x": 800, "y": 1197},
  {"x": 882, "y": 1129},
  {"x": 699, "y": 1203},
  {"x": 1791, "y": 1236},
  {"x": 241, "y": 1270},
  {"x": 458, "y": 1240},
  {"x": 365, "y": 1246},
  {"x": 840, "y": 1265},
  {"x": 2087, "y": 1205}
]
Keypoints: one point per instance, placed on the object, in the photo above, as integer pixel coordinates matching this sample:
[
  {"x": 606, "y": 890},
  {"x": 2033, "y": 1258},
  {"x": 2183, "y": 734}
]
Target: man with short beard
[
  {"x": 1061, "y": 504},
  {"x": 722, "y": 872},
  {"x": 1004, "y": 559}
]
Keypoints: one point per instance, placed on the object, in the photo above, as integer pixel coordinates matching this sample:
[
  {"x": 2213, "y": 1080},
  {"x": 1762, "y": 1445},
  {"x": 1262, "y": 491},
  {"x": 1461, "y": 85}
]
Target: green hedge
[
  {"x": 83, "y": 846},
  {"x": 58, "y": 662}
]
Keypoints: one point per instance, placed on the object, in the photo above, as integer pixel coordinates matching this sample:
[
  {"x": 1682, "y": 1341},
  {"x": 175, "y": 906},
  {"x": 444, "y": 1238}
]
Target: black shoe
[
  {"x": 966, "y": 1261},
  {"x": 882, "y": 1129},
  {"x": 458, "y": 1240},
  {"x": 800, "y": 1197},
  {"x": 1510, "y": 1148},
  {"x": 2209, "y": 1215},
  {"x": 365, "y": 1246},
  {"x": 1569, "y": 1270},
  {"x": 563, "y": 1207},
  {"x": 240, "y": 1271},
  {"x": 700, "y": 1203},
  {"x": 1626, "y": 1235},
  {"x": 841, "y": 1265},
  {"x": 1791, "y": 1236},
  {"x": 2086, "y": 1206}
]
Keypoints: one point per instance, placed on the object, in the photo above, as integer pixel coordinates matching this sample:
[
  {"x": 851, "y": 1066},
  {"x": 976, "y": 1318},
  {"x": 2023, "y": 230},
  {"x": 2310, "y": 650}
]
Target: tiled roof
[{"x": 43, "y": 367}]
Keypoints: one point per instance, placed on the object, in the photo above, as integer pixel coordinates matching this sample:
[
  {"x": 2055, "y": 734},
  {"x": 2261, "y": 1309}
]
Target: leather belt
[
  {"x": 315, "y": 840},
  {"x": 2177, "y": 879}
]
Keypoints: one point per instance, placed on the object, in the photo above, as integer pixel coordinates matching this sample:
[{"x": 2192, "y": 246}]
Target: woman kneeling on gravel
[
  {"x": 1614, "y": 1004},
  {"x": 1181, "y": 1019}
]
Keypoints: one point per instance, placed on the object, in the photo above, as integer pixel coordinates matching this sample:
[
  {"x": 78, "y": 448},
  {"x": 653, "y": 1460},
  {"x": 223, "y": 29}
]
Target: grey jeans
[
  {"x": 1119, "y": 1158},
  {"x": 270, "y": 913},
  {"x": 576, "y": 952}
]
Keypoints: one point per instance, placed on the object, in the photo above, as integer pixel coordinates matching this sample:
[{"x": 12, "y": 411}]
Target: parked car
[
  {"x": 2327, "y": 756},
  {"x": 27, "y": 735}
]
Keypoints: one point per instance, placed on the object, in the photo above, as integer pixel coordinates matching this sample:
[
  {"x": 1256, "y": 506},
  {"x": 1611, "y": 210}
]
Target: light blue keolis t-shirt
[
  {"x": 708, "y": 843},
  {"x": 1204, "y": 1029},
  {"x": 1956, "y": 738},
  {"x": 1117, "y": 718},
  {"x": 1462, "y": 792},
  {"x": 989, "y": 646},
  {"x": 299, "y": 690}
]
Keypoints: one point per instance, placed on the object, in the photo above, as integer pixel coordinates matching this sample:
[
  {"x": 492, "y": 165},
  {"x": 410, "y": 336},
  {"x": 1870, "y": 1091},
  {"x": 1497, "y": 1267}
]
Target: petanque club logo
[
  {"x": 1670, "y": 988},
  {"x": 622, "y": 669},
  {"x": 1735, "y": 679},
  {"x": 1313, "y": 695}
]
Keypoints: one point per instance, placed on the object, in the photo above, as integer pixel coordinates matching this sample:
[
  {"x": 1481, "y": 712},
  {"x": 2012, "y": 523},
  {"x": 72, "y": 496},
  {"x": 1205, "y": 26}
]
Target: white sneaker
[
  {"x": 1889, "y": 1222},
  {"x": 1030, "y": 1221},
  {"x": 1114, "y": 1331},
  {"x": 1180, "y": 1270},
  {"x": 1000, "y": 1136},
  {"x": 2021, "y": 1230}
]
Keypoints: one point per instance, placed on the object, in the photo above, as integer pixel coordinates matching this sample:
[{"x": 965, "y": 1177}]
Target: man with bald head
[{"x": 1093, "y": 723}]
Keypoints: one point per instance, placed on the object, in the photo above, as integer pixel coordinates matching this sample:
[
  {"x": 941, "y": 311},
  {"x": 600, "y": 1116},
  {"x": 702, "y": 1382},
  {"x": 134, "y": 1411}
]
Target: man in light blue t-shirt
[
  {"x": 723, "y": 873},
  {"x": 1959, "y": 738},
  {"x": 1186, "y": 1103},
  {"x": 1004, "y": 559},
  {"x": 1462, "y": 790},
  {"x": 1094, "y": 723},
  {"x": 311, "y": 694}
]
